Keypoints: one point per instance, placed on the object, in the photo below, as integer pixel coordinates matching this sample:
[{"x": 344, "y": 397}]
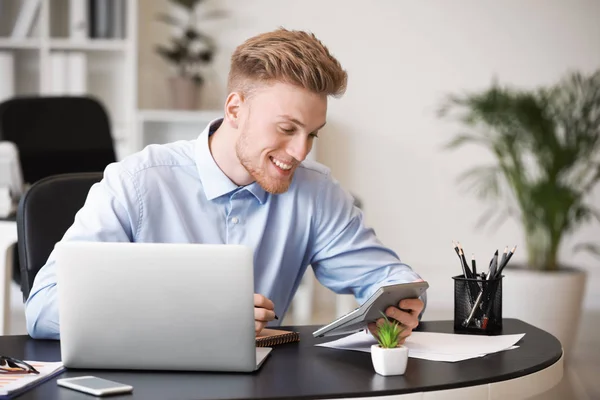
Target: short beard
[{"x": 271, "y": 185}]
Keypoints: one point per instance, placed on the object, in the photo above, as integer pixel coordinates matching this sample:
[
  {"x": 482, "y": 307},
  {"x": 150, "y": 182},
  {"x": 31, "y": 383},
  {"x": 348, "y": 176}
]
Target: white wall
[{"x": 383, "y": 139}]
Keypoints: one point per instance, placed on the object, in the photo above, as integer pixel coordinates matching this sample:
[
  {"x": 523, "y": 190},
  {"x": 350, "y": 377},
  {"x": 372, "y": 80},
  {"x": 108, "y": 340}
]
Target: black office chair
[
  {"x": 44, "y": 214},
  {"x": 57, "y": 135}
]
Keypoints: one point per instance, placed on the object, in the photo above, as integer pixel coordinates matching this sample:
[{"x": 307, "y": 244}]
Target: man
[{"x": 243, "y": 181}]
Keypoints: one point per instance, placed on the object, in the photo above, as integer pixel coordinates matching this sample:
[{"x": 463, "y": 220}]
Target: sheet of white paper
[
  {"x": 449, "y": 358},
  {"x": 359, "y": 341},
  {"x": 442, "y": 357},
  {"x": 435, "y": 346},
  {"x": 453, "y": 344}
]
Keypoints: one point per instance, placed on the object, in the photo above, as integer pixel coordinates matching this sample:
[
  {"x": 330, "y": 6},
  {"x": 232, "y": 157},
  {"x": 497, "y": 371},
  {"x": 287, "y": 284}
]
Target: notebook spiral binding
[{"x": 280, "y": 339}]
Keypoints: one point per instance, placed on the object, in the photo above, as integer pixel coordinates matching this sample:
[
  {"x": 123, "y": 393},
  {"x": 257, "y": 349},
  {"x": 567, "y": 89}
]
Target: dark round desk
[{"x": 303, "y": 371}]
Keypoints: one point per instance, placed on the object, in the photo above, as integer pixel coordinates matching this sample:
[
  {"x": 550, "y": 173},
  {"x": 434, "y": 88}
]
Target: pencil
[
  {"x": 455, "y": 248},
  {"x": 462, "y": 265},
  {"x": 505, "y": 262},
  {"x": 468, "y": 273}
]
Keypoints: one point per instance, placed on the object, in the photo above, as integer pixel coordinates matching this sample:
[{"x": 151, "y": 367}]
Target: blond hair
[{"x": 293, "y": 57}]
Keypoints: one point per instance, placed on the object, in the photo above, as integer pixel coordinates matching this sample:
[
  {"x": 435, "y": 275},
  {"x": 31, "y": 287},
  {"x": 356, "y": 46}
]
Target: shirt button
[{"x": 235, "y": 220}]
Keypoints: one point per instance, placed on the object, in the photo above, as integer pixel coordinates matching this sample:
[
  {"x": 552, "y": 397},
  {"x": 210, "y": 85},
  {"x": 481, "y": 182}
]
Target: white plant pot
[
  {"x": 389, "y": 361},
  {"x": 548, "y": 300}
]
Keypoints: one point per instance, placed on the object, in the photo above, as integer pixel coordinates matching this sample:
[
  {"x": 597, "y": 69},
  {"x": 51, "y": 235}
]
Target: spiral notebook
[{"x": 271, "y": 337}]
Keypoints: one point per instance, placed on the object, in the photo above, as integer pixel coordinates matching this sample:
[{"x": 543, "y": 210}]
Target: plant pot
[
  {"x": 550, "y": 300},
  {"x": 389, "y": 361},
  {"x": 184, "y": 93}
]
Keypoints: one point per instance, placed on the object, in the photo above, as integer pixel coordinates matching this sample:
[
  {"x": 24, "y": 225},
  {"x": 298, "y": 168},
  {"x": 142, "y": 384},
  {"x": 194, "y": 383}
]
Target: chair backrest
[
  {"x": 56, "y": 135},
  {"x": 44, "y": 214}
]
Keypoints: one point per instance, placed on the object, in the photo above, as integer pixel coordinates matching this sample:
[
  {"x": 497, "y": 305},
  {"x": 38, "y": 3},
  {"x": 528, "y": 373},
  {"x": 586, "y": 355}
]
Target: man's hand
[
  {"x": 407, "y": 314},
  {"x": 263, "y": 312}
]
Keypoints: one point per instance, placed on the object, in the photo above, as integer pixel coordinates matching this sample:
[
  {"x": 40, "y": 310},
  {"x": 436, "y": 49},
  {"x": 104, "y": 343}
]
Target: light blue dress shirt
[{"x": 176, "y": 193}]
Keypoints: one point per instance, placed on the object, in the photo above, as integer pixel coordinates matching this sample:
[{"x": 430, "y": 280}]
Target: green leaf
[
  {"x": 463, "y": 139},
  {"x": 590, "y": 247},
  {"x": 388, "y": 333},
  {"x": 483, "y": 181}
]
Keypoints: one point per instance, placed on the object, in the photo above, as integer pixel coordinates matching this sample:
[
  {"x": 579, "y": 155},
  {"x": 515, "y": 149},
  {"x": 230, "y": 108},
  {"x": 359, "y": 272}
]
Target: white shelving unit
[
  {"x": 18, "y": 44},
  {"x": 111, "y": 73},
  {"x": 162, "y": 126},
  {"x": 110, "y": 64}
]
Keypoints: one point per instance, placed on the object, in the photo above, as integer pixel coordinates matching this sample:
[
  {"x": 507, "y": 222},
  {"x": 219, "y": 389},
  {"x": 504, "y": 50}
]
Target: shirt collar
[
  {"x": 258, "y": 192},
  {"x": 214, "y": 181}
]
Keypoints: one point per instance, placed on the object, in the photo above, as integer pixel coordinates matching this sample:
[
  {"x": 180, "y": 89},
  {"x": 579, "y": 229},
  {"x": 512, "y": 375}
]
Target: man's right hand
[{"x": 263, "y": 312}]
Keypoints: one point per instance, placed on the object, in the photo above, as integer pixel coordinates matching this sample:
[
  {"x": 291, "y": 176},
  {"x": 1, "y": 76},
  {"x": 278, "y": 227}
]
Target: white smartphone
[{"x": 94, "y": 385}]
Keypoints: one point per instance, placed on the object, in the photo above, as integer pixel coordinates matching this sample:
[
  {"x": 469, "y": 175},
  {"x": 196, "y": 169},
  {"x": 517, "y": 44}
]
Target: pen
[
  {"x": 488, "y": 309},
  {"x": 492, "y": 274},
  {"x": 467, "y": 321},
  {"x": 494, "y": 264},
  {"x": 505, "y": 260},
  {"x": 474, "y": 265}
]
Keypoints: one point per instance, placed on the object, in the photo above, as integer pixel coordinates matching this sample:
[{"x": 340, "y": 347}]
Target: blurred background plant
[
  {"x": 546, "y": 145},
  {"x": 190, "y": 49}
]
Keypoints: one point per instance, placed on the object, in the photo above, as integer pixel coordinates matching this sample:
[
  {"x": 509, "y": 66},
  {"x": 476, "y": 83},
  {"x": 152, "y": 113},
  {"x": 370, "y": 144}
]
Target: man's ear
[{"x": 232, "y": 108}]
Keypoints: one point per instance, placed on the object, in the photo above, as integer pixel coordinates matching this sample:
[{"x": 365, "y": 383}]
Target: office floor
[{"x": 580, "y": 379}]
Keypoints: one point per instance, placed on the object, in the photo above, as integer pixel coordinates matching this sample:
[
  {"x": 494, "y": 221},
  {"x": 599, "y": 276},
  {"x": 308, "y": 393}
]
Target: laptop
[{"x": 157, "y": 306}]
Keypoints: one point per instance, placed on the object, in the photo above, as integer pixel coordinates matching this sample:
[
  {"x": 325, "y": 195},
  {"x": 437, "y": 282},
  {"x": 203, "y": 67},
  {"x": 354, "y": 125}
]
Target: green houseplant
[
  {"x": 190, "y": 50},
  {"x": 388, "y": 357},
  {"x": 545, "y": 144}
]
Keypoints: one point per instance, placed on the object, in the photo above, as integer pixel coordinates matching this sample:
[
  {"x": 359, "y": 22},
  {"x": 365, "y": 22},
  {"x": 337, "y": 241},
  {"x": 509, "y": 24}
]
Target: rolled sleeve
[{"x": 348, "y": 258}]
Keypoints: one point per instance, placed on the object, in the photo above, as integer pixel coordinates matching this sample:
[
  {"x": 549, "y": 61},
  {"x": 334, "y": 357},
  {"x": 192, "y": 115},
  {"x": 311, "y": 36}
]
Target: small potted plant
[
  {"x": 190, "y": 50},
  {"x": 389, "y": 358}
]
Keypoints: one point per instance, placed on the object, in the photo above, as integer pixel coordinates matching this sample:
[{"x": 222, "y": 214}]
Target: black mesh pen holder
[{"x": 477, "y": 305}]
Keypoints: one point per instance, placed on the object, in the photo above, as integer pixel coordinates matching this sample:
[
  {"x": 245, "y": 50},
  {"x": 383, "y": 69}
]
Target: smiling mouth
[{"x": 281, "y": 165}]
